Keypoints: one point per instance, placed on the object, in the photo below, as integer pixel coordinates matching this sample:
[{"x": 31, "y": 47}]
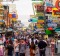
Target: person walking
[
  {"x": 32, "y": 49},
  {"x": 16, "y": 47},
  {"x": 10, "y": 48},
  {"x": 42, "y": 47},
  {"x": 22, "y": 47}
]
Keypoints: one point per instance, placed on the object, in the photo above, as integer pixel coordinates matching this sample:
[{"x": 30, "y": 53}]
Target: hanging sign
[
  {"x": 40, "y": 17},
  {"x": 10, "y": 15},
  {"x": 49, "y": 4},
  {"x": 57, "y": 4},
  {"x": 52, "y": 25},
  {"x": 39, "y": 8},
  {"x": 12, "y": 8},
  {"x": 55, "y": 12},
  {"x": 37, "y": 5},
  {"x": 49, "y": 9},
  {"x": 40, "y": 21},
  {"x": 13, "y": 15},
  {"x": 40, "y": 14},
  {"x": 14, "y": 19},
  {"x": 39, "y": 26}
]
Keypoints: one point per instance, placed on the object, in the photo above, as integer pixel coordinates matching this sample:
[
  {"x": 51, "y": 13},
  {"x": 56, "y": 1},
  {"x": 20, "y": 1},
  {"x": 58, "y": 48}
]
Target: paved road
[{"x": 48, "y": 52}]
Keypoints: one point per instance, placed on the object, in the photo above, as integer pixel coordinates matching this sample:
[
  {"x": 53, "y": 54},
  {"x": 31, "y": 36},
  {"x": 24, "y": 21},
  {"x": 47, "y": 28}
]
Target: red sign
[
  {"x": 49, "y": 9},
  {"x": 56, "y": 12},
  {"x": 57, "y": 4}
]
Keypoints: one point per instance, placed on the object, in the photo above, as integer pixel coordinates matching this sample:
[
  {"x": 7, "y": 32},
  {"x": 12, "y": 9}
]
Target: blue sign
[
  {"x": 52, "y": 25},
  {"x": 49, "y": 4},
  {"x": 13, "y": 15},
  {"x": 49, "y": 21}
]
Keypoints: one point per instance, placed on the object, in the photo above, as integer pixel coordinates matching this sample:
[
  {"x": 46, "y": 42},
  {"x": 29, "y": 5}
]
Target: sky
[{"x": 24, "y": 10}]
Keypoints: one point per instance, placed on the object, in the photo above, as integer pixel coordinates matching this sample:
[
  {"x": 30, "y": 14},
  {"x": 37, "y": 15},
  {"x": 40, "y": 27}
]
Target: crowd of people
[{"x": 17, "y": 45}]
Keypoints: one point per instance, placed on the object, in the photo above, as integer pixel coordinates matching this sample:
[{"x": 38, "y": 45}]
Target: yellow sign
[
  {"x": 39, "y": 26},
  {"x": 45, "y": 36},
  {"x": 55, "y": 21},
  {"x": 55, "y": 12},
  {"x": 14, "y": 19},
  {"x": 32, "y": 16},
  {"x": 40, "y": 21},
  {"x": 40, "y": 14}
]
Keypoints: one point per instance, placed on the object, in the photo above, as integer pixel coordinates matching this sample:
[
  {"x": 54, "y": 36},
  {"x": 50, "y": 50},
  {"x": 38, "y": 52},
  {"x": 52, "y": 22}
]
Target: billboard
[{"x": 55, "y": 12}]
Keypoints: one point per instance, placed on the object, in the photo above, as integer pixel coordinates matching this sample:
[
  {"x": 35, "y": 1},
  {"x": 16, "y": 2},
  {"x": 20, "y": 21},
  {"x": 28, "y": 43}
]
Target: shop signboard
[
  {"x": 39, "y": 26},
  {"x": 49, "y": 9},
  {"x": 49, "y": 4},
  {"x": 39, "y": 8},
  {"x": 55, "y": 12},
  {"x": 40, "y": 14},
  {"x": 32, "y": 16},
  {"x": 37, "y": 5},
  {"x": 13, "y": 15},
  {"x": 12, "y": 8},
  {"x": 14, "y": 19},
  {"x": 40, "y": 17},
  {"x": 57, "y": 4},
  {"x": 40, "y": 21},
  {"x": 48, "y": 32},
  {"x": 49, "y": 21},
  {"x": 55, "y": 21},
  {"x": 52, "y": 25}
]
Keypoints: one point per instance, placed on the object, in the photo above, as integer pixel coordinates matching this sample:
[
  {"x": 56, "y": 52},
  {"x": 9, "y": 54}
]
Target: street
[{"x": 48, "y": 52}]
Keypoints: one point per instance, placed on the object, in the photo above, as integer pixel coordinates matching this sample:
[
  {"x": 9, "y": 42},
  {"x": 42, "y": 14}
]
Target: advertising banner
[
  {"x": 49, "y": 4},
  {"x": 55, "y": 12},
  {"x": 40, "y": 14},
  {"x": 49, "y": 9},
  {"x": 12, "y": 8},
  {"x": 57, "y": 4},
  {"x": 52, "y": 25},
  {"x": 40, "y": 21},
  {"x": 39, "y": 25},
  {"x": 37, "y": 7}
]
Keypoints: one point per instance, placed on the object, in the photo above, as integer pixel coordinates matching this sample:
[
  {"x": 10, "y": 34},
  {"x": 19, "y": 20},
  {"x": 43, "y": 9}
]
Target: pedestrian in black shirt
[
  {"x": 42, "y": 47},
  {"x": 10, "y": 48}
]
